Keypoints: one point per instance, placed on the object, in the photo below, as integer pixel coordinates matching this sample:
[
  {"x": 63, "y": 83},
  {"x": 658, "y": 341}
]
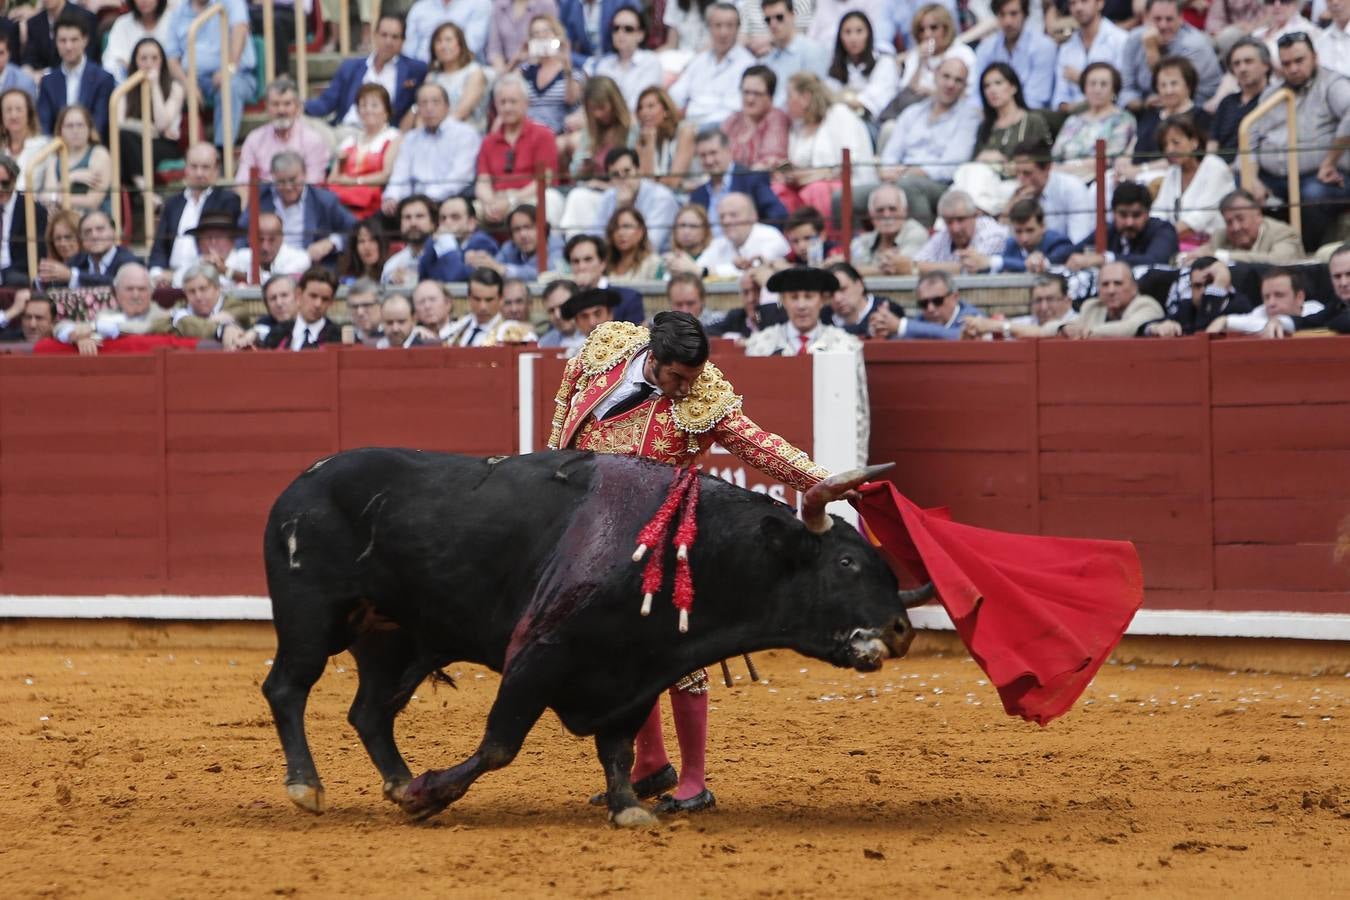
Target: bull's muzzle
[{"x": 870, "y": 647}]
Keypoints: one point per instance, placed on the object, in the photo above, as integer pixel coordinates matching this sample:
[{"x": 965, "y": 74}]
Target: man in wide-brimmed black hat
[{"x": 590, "y": 308}]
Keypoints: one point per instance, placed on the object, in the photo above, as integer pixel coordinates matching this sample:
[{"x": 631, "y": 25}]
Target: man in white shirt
[
  {"x": 1068, "y": 204},
  {"x": 439, "y": 158},
  {"x": 275, "y": 256},
  {"x": 789, "y": 52},
  {"x": 1334, "y": 48},
  {"x": 803, "y": 293},
  {"x": 174, "y": 247},
  {"x": 709, "y": 89},
  {"x": 1097, "y": 39},
  {"x": 745, "y": 244},
  {"x": 431, "y": 304},
  {"x": 1283, "y": 305},
  {"x": 135, "y": 313},
  {"x": 477, "y": 328},
  {"x": 653, "y": 200}
]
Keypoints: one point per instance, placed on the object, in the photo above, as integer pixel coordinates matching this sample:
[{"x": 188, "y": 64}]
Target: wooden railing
[
  {"x": 225, "y": 140},
  {"x": 142, "y": 81},
  {"x": 1247, "y": 160},
  {"x": 58, "y": 147}
]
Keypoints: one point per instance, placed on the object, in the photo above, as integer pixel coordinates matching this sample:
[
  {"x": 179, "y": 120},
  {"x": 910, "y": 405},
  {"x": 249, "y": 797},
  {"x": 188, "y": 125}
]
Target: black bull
[{"x": 524, "y": 564}]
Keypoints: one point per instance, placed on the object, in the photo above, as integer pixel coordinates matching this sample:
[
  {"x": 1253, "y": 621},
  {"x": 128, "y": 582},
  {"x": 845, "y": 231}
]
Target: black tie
[
  {"x": 473, "y": 336},
  {"x": 632, "y": 401}
]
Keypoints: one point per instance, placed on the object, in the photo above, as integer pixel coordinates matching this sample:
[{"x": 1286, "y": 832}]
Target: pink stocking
[
  {"x": 650, "y": 746},
  {"x": 691, "y": 730}
]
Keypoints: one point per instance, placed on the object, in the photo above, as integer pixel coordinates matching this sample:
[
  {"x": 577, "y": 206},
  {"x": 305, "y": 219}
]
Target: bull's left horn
[
  {"x": 836, "y": 487},
  {"x": 917, "y": 597}
]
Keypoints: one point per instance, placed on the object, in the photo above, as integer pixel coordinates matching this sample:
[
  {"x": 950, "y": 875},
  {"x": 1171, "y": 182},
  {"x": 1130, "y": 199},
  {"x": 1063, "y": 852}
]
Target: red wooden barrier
[{"x": 1221, "y": 460}]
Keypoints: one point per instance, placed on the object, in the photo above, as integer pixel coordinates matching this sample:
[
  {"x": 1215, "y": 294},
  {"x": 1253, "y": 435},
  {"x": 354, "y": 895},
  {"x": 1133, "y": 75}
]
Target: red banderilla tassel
[
  {"x": 653, "y": 536},
  {"x": 684, "y": 539}
]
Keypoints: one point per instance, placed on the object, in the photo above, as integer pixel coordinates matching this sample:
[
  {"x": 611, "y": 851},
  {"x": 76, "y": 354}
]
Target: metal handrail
[
  {"x": 57, "y": 146},
  {"x": 269, "y": 38},
  {"x": 1247, "y": 161},
  {"x": 226, "y": 85},
  {"x": 142, "y": 80},
  {"x": 344, "y": 29}
]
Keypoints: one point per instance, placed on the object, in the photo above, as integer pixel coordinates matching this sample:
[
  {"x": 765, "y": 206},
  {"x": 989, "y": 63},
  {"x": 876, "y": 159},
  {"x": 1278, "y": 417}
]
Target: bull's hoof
[
  {"x": 308, "y": 797},
  {"x": 417, "y": 800},
  {"x": 394, "y": 791},
  {"x": 653, "y": 785},
  {"x": 633, "y": 817}
]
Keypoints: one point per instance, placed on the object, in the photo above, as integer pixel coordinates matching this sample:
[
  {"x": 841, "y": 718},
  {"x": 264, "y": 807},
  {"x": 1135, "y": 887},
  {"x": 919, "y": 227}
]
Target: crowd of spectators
[{"x": 685, "y": 141}]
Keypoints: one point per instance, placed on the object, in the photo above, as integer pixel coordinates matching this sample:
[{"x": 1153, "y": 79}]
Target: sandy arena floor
[{"x": 154, "y": 772}]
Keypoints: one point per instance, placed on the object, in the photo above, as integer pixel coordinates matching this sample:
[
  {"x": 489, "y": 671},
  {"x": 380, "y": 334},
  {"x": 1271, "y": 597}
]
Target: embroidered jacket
[{"x": 663, "y": 429}]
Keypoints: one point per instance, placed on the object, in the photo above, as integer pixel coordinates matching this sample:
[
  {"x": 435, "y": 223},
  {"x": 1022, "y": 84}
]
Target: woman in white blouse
[
  {"x": 821, "y": 130},
  {"x": 862, "y": 78},
  {"x": 1194, "y": 184},
  {"x": 934, "y": 43},
  {"x": 632, "y": 68},
  {"x": 147, "y": 18}
]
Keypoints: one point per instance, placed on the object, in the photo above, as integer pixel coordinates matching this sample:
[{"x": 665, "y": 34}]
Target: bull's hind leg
[
  {"x": 287, "y": 690},
  {"x": 519, "y": 704},
  {"x": 382, "y": 660}
]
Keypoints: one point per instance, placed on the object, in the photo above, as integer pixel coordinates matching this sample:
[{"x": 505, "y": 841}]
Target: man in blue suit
[
  {"x": 1031, "y": 248},
  {"x": 573, "y": 15},
  {"x": 585, "y": 253},
  {"x": 312, "y": 218},
  {"x": 76, "y": 80},
  {"x": 941, "y": 313},
  {"x": 400, "y": 75},
  {"x": 726, "y": 177},
  {"x": 39, "y": 49}
]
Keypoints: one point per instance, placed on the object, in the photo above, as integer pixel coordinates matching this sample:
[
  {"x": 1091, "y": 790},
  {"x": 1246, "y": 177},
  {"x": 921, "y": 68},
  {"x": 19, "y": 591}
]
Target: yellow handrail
[
  {"x": 58, "y": 146},
  {"x": 344, "y": 29},
  {"x": 141, "y": 80},
  {"x": 226, "y": 85},
  {"x": 269, "y": 61},
  {"x": 1247, "y": 162},
  {"x": 301, "y": 51}
]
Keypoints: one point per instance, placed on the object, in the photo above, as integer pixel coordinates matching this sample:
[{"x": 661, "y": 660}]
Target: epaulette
[
  {"x": 710, "y": 400},
  {"x": 610, "y": 343}
]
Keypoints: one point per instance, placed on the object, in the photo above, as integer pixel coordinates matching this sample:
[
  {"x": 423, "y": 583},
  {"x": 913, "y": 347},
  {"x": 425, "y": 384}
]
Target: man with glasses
[
  {"x": 1051, "y": 307},
  {"x": 942, "y": 313},
  {"x": 930, "y": 139},
  {"x": 1164, "y": 34},
  {"x": 630, "y": 66},
  {"x": 654, "y": 200},
  {"x": 968, "y": 242},
  {"x": 438, "y": 157},
  {"x": 789, "y": 52},
  {"x": 707, "y": 90},
  {"x": 100, "y": 256},
  {"x": 363, "y": 308},
  {"x": 889, "y": 248},
  {"x": 313, "y": 219},
  {"x": 1323, "y": 125},
  {"x": 511, "y": 152},
  {"x": 585, "y": 255},
  {"x": 758, "y": 131}
]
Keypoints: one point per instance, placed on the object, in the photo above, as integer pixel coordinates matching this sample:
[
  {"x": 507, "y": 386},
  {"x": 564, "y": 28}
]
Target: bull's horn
[
  {"x": 836, "y": 487},
  {"x": 917, "y": 597}
]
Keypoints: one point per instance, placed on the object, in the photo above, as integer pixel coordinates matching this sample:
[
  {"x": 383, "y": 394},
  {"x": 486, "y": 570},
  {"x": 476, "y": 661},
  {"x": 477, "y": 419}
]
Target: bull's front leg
[
  {"x": 517, "y": 707},
  {"x": 615, "y": 749}
]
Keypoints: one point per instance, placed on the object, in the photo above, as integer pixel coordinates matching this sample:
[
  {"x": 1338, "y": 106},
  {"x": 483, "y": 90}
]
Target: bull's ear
[{"x": 788, "y": 540}]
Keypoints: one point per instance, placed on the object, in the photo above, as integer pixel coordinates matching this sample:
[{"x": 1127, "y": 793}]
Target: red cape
[
  {"x": 1039, "y": 614},
  {"x": 127, "y": 343}
]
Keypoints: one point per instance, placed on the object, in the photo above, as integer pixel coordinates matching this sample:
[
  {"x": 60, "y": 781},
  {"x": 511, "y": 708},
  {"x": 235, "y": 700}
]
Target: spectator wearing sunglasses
[
  {"x": 942, "y": 313},
  {"x": 1323, "y": 126},
  {"x": 789, "y": 52},
  {"x": 632, "y": 68},
  {"x": 510, "y": 153}
]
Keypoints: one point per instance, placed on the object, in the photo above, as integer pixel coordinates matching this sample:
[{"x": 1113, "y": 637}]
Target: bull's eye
[{"x": 846, "y": 561}]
